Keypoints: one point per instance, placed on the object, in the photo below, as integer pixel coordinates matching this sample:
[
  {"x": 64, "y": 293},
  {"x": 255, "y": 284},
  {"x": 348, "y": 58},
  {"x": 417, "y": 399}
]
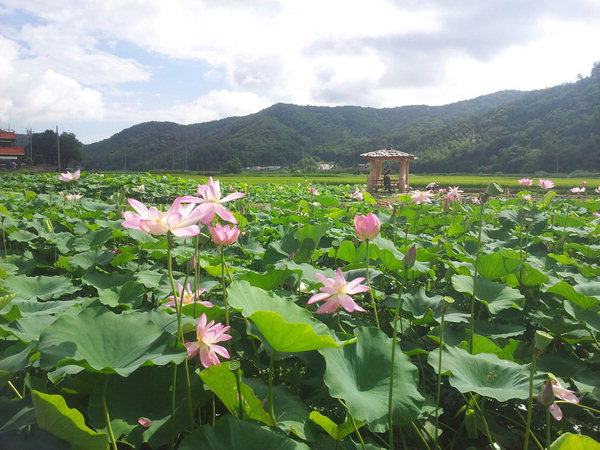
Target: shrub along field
[{"x": 297, "y": 315}]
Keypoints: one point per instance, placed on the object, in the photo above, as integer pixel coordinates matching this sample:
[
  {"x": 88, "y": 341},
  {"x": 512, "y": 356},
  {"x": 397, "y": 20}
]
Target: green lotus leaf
[
  {"x": 360, "y": 374},
  {"x": 90, "y": 258},
  {"x": 495, "y": 296},
  {"x": 53, "y": 415},
  {"x": 284, "y": 336},
  {"x": 268, "y": 280},
  {"x": 230, "y": 433},
  {"x": 483, "y": 373},
  {"x": 291, "y": 413},
  {"x": 222, "y": 381},
  {"x": 101, "y": 341},
  {"x": 249, "y": 299},
  {"x": 106, "y": 280},
  {"x": 586, "y": 296},
  {"x": 40, "y": 287},
  {"x": 29, "y": 328},
  {"x": 337, "y": 432},
  {"x": 493, "y": 265},
  {"x": 15, "y": 414},
  {"x": 570, "y": 441},
  {"x": 130, "y": 293},
  {"x": 146, "y": 393}
]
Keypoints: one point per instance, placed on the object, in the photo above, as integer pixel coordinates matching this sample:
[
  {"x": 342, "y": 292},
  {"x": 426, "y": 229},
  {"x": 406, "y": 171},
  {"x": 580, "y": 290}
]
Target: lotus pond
[{"x": 292, "y": 318}]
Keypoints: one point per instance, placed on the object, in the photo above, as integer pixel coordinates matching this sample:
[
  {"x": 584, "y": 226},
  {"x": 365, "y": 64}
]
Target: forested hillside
[{"x": 509, "y": 131}]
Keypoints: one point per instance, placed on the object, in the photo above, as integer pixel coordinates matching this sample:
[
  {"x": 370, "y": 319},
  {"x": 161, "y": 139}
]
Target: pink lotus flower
[
  {"x": 526, "y": 197},
  {"x": 584, "y": 183},
  {"x": 552, "y": 388},
  {"x": 145, "y": 422},
  {"x": 313, "y": 191},
  {"x": 140, "y": 188},
  {"x": 68, "y": 176},
  {"x": 597, "y": 190},
  {"x": 597, "y": 214},
  {"x": 454, "y": 193},
  {"x": 187, "y": 297},
  {"x": 337, "y": 293},
  {"x": 577, "y": 190},
  {"x": 419, "y": 197},
  {"x": 357, "y": 195},
  {"x": 476, "y": 201},
  {"x": 73, "y": 197},
  {"x": 442, "y": 190},
  {"x": 210, "y": 203},
  {"x": 367, "y": 227},
  {"x": 207, "y": 335},
  {"x": 224, "y": 234},
  {"x": 545, "y": 184},
  {"x": 525, "y": 181},
  {"x": 180, "y": 219}
]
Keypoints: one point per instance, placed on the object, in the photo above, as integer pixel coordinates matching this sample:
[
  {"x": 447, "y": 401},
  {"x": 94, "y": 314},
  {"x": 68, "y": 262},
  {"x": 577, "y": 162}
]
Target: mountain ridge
[{"x": 506, "y": 131}]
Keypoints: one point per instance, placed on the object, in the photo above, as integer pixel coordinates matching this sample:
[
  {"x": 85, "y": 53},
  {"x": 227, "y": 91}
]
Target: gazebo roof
[{"x": 387, "y": 153}]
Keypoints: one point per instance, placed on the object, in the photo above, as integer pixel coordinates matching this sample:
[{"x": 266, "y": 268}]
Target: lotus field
[{"x": 155, "y": 313}]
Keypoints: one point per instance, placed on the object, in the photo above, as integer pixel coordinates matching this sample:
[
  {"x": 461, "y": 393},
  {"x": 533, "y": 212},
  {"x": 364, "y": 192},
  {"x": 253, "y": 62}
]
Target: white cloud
[
  {"x": 379, "y": 53},
  {"x": 216, "y": 104}
]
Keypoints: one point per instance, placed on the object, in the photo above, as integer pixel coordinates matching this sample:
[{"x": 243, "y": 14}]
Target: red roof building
[{"x": 8, "y": 146}]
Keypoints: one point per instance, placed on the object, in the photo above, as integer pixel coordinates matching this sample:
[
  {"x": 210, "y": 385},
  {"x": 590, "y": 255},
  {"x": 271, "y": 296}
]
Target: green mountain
[{"x": 508, "y": 131}]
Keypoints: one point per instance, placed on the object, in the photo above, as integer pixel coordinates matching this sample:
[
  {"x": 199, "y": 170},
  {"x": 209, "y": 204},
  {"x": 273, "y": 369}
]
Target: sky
[{"x": 96, "y": 67}]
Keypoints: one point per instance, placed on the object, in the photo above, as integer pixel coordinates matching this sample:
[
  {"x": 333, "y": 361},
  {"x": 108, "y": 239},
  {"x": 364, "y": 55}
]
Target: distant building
[
  {"x": 326, "y": 166},
  {"x": 9, "y": 151},
  {"x": 258, "y": 168}
]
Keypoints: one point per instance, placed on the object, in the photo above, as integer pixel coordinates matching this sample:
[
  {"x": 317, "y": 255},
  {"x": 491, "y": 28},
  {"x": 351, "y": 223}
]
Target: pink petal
[
  {"x": 555, "y": 411},
  {"x": 318, "y": 298},
  {"x": 224, "y": 214},
  {"x": 231, "y": 197},
  {"x": 192, "y": 230}
]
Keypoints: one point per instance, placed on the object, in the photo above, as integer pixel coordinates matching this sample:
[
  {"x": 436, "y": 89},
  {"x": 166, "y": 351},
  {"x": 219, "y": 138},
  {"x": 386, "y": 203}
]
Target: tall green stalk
[
  {"x": 224, "y": 287},
  {"x": 530, "y": 401},
  {"x": 111, "y": 434},
  {"x": 472, "y": 306},
  {"x": 368, "y": 277},
  {"x": 439, "y": 375},
  {"x": 270, "y": 387},
  {"x": 391, "y": 388},
  {"x": 178, "y": 309}
]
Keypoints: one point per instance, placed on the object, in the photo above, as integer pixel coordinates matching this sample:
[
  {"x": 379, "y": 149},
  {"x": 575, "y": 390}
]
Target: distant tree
[
  {"x": 45, "y": 147},
  {"x": 232, "y": 166}
]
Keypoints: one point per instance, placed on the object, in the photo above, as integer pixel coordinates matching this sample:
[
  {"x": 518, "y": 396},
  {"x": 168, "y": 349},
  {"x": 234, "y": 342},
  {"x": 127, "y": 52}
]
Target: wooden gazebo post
[{"x": 376, "y": 159}]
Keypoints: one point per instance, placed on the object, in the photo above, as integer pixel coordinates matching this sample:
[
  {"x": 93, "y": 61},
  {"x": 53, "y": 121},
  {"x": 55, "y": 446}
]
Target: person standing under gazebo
[{"x": 387, "y": 182}]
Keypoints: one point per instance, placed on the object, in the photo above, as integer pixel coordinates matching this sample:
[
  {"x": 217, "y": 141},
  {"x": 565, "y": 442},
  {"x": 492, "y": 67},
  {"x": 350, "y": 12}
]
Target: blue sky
[{"x": 94, "y": 68}]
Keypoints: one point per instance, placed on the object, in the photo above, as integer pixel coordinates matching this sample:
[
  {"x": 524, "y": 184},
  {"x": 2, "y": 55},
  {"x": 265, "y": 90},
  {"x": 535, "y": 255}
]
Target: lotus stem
[
  {"x": 472, "y": 312},
  {"x": 12, "y": 386},
  {"x": 439, "y": 377},
  {"x": 270, "y": 385},
  {"x": 178, "y": 311},
  {"x": 391, "y": 388},
  {"x": 225, "y": 304},
  {"x": 111, "y": 435},
  {"x": 371, "y": 289},
  {"x": 530, "y": 400}
]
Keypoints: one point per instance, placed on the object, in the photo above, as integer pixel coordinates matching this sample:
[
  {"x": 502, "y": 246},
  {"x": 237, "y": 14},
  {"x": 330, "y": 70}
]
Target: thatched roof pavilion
[{"x": 376, "y": 159}]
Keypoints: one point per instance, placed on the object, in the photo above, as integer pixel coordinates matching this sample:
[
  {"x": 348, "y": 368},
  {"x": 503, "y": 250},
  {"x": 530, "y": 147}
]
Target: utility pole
[
  {"x": 58, "y": 147},
  {"x": 30, "y": 139}
]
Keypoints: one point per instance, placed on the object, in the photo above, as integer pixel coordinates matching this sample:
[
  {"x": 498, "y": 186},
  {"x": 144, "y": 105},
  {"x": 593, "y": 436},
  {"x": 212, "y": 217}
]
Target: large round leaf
[
  {"x": 496, "y": 296},
  {"x": 53, "y": 415},
  {"x": 102, "y": 341},
  {"x": 360, "y": 374},
  {"x": 230, "y": 433},
  {"x": 41, "y": 287},
  {"x": 483, "y": 373}
]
